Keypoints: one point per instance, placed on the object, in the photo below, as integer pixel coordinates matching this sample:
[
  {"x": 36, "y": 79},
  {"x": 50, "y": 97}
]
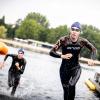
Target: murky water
[{"x": 41, "y": 80}]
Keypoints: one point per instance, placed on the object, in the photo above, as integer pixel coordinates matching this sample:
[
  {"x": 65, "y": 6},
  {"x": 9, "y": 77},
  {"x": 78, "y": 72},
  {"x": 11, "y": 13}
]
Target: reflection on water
[{"x": 41, "y": 80}]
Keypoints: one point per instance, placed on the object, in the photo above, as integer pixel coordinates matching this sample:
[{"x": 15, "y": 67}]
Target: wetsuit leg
[
  {"x": 75, "y": 75},
  {"x": 64, "y": 76},
  {"x": 10, "y": 79},
  {"x": 71, "y": 93},
  {"x": 16, "y": 82},
  {"x": 69, "y": 79}
]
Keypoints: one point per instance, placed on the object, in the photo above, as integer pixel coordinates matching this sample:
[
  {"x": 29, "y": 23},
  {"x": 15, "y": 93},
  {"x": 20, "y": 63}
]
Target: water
[{"x": 41, "y": 80}]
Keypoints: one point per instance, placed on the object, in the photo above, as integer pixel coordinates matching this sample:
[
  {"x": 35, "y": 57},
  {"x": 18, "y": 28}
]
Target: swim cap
[
  {"x": 77, "y": 25},
  {"x": 21, "y": 50}
]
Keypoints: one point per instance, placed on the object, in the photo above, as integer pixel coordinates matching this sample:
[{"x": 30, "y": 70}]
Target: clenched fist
[{"x": 66, "y": 56}]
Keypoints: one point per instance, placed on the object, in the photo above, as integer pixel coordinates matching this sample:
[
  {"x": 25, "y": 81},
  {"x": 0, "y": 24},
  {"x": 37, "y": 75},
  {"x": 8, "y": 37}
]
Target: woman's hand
[
  {"x": 17, "y": 65},
  {"x": 66, "y": 56},
  {"x": 91, "y": 62}
]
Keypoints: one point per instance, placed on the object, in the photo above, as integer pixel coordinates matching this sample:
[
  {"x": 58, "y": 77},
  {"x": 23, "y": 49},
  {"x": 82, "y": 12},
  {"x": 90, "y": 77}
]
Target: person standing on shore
[
  {"x": 70, "y": 69},
  {"x": 17, "y": 68}
]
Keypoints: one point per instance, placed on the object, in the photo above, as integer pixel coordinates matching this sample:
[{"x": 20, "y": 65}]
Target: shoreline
[
  {"x": 26, "y": 46},
  {"x": 37, "y": 49}
]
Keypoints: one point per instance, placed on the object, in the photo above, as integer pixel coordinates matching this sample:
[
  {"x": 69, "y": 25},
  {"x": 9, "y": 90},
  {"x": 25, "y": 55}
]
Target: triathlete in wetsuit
[
  {"x": 16, "y": 69},
  {"x": 70, "y": 69}
]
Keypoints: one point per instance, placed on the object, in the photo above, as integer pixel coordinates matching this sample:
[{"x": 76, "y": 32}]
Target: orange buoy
[{"x": 3, "y": 48}]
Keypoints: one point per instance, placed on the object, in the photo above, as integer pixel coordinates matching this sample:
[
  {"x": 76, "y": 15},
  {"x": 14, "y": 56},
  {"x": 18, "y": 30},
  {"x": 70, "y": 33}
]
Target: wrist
[
  {"x": 61, "y": 56},
  {"x": 18, "y": 68}
]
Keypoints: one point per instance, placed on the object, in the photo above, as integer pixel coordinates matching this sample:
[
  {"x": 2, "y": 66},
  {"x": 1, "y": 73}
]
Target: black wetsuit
[
  {"x": 70, "y": 70},
  {"x": 14, "y": 74}
]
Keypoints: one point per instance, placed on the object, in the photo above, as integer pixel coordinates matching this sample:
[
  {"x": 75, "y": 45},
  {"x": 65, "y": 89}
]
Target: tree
[
  {"x": 34, "y": 26},
  {"x": 11, "y": 30},
  {"x": 43, "y": 34},
  {"x": 29, "y": 29},
  {"x": 2, "y": 21},
  {"x": 56, "y": 33},
  {"x": 2, "y": 32},
  {"x": 93, "y": 35},
  {"x": 18, "y": 22},
  {"x": 40, "y": 19}
]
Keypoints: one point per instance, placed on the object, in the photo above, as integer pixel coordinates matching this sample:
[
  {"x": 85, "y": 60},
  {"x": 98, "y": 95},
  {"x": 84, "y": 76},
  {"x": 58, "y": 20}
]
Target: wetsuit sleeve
[
  {"x": 23, "y": 67},
  {"x": 8, "y": 55},
  {"x": 91, "y": 48},
  {"x": 56, "y": 47}
]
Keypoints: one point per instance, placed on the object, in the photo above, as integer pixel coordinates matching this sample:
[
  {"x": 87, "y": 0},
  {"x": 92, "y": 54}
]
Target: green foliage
[
  {"x": 3, "y": 30},
  {"x": 29, "y": 29},
  {"x": 10, "y": 31},
  {"x": 40, "y": 19},
  {"x": 56, "y": 33},
  {"x": 93, "y": 35},
  {"x": 2, "y": 21},
  {"x": 43, "y": 35},
  {"x": 34, "y": 26}
]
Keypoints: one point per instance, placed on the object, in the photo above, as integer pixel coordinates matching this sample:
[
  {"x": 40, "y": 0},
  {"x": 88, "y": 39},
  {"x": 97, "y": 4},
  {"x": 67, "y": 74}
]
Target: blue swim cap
[
  {"x": 21, "y": 50},
  {"x": 77, "y": 25}
]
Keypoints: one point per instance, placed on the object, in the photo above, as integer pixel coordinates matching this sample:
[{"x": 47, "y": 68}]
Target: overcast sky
[{"x": 58, "y": 12}]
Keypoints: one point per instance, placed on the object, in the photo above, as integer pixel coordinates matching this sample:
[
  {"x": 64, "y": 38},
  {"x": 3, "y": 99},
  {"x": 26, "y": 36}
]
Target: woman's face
[
  {"x": 20, "y": 55},
  {"x": 74, "y": 34}
]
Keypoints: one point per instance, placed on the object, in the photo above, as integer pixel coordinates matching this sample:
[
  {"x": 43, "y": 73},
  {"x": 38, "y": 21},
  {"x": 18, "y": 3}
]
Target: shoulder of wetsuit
[
  {"x": 82, "y": 39},
  {"x": 85, "y": 42},
  {"x": 24, "y": 60},
  {"x": 15, "y": 55},
  {"x": 64, "y": 38},
  {"x": 12, "y": 55}
]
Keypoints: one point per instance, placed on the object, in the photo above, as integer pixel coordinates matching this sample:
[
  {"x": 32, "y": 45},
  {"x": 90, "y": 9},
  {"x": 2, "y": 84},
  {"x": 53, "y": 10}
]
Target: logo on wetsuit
[{"x": 73, "y": 48}]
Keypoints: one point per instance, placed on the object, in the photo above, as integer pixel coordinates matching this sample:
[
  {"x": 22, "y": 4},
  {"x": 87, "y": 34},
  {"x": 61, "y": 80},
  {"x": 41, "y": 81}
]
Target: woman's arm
[{"x": 54, "y": 50}]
